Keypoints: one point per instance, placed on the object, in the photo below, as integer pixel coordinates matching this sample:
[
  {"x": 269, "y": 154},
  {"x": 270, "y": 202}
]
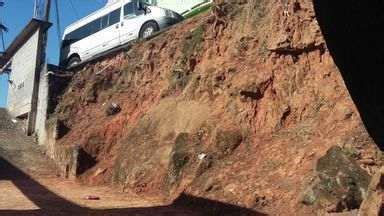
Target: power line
[{"x": 58, "y": 21}]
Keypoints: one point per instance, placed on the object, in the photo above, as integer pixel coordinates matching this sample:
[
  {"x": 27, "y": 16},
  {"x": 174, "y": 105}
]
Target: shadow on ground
[
  {"x": 52, "y": 204},
  {"x": 354, "y": 34}
]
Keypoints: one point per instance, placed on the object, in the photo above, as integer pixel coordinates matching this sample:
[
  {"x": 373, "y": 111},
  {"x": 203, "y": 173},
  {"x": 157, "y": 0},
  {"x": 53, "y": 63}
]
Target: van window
[
  {"x": 114, "y": 16},
  {"x": 92, "y": 27},
  {"x": 129, "y": 9},
  {"x": 104, "y": 22}
]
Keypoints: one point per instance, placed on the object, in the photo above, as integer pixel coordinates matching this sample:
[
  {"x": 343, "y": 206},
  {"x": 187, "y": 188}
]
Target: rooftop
[{"x": 21, "y": 38}]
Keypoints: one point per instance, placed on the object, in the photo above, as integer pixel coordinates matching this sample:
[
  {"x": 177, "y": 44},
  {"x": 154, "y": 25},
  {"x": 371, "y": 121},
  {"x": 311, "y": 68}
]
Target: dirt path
[
  {"x": 21, "y": 194},
  {"x": 29, "y": 186}
]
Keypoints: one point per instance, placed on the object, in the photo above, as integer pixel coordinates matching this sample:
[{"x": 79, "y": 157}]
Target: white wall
[
  {"x": 23, "y": 75},
  {"x": 42, "y": 107},
  {"x": 179, "y": 6}
]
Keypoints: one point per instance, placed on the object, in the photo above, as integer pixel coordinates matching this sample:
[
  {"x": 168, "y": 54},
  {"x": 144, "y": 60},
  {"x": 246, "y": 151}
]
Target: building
[{"x": 24, "y": 60}]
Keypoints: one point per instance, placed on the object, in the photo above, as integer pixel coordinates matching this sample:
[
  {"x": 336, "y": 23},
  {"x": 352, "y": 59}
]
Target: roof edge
[{"x": 21, "y": 38}]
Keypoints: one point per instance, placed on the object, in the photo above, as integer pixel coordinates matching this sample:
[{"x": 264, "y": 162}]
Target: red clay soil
[
  {"x": 29, "y": 186},
  {"x": 235, "y": 105},
  {"x": 24, "y": 195}
]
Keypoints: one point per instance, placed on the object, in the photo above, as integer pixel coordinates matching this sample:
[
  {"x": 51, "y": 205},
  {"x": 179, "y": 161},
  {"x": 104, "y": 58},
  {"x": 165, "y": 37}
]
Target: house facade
[{"x": 22, "y": 61}]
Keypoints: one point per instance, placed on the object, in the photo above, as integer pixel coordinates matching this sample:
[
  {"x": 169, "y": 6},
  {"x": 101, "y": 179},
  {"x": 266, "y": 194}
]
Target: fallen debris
[
  {"x": 91, "y": 197},
  {"x": 113, "y": 109},
  {"x": 202, "y": 156}
]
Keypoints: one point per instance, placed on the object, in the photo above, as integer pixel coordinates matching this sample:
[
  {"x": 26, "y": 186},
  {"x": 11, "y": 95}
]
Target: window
[
  {"x": 114, "y": 16},
  {"x": 151, "y": 2},
  {"x": 110, "y": 19},
  {"x": 92, "y": 27},
  {"x": 129, "y": 9},
  {"x": 104, "y": 22}
]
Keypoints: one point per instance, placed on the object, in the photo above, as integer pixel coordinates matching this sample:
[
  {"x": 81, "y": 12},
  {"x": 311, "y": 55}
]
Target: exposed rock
[
  {"x": 252, "y": 85},
  {"x": 348, "y": 213},
  {"x": 179, "y": 157},
  {"x": 257, "y": 201},
  {"x": 373, "y": 203},
  {"x": 227, "y": 141},
  {"x": 340, "y": 183}
]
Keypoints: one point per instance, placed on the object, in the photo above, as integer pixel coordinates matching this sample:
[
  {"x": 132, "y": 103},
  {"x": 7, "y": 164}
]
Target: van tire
[
  {"x": 148, "y": 29},
  {"x": 73, "y": 61}
]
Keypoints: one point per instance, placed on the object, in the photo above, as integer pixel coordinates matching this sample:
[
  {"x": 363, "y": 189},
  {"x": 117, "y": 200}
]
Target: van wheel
[
  {"x": 73, "y": 61},
  {"x": 148, "y": 29}
]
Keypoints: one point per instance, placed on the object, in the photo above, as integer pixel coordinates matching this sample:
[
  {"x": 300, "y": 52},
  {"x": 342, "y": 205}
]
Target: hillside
[{"x": 236, "y": 105}]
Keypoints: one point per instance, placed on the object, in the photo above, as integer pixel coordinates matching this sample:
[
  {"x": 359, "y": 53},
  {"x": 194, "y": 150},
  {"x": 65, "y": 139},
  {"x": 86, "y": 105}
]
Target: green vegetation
[{"x": 197, "y": 11}]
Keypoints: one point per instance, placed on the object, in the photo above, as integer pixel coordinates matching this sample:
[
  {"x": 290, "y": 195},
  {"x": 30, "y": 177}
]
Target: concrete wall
[
  {"x": 51, "y": 84},
  {"x": 23, "y": 74},
  {"x": 65, "y": 157},
  {"x": 42, "y": 107}
]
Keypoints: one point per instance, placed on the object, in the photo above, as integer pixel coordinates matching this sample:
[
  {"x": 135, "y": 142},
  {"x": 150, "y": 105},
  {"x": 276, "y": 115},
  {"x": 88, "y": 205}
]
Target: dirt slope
[{"x": 236, "y": 105}]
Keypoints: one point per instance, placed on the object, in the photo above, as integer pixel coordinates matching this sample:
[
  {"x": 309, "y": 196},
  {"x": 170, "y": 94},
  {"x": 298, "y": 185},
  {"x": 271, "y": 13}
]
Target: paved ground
[{"x": 29, "y": 186}]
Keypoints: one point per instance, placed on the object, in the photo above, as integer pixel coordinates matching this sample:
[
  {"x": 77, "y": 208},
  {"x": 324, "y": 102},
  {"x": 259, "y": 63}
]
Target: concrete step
[{"x": 8, "y": 123}]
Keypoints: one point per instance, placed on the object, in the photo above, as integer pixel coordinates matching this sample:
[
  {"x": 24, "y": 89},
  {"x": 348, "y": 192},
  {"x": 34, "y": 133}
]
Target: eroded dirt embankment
[{"x": 236, "y": 105}]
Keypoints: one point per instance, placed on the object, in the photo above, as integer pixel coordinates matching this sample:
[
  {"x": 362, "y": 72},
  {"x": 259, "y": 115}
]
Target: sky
[{"x": 17, "y": 13}]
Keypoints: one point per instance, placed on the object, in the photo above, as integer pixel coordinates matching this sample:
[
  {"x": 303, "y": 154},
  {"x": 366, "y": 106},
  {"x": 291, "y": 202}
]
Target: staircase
[
  {"x": 20, "y": 149},
  {"x": 5, "y": 121}
]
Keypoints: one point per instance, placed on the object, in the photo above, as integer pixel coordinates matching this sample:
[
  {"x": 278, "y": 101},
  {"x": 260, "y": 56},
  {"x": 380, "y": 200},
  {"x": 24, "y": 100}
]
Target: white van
[{"x": 112, "y": 26}]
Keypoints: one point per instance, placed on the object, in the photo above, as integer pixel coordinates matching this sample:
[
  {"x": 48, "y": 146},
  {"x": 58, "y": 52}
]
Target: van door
[
  {"x": 131, "y": 23},
  {"x": 89, "y": 42},
  {"x": 109, "y": 36}
]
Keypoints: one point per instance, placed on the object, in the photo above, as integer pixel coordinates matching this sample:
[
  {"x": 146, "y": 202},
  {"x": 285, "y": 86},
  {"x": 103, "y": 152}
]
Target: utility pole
[
  {"x": 42, "y": 9},
  {"x": 41, "y": 62},
  {"x": 3, "y": 28},
  {"x": 47, "y": 10}
]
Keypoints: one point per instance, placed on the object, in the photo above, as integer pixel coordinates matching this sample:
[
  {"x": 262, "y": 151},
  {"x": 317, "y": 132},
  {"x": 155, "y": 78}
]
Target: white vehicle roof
[
  {"x": 112, "y": 2},
  {"x": 110, "y": 6}
]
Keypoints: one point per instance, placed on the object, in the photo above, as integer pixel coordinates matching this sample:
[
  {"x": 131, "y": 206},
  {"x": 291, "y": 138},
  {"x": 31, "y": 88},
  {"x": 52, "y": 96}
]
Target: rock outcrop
[
  {"x": 340, "y": 184},
  {"x": 373, "y": 203},
  {"x": 236, "y": 105}
]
